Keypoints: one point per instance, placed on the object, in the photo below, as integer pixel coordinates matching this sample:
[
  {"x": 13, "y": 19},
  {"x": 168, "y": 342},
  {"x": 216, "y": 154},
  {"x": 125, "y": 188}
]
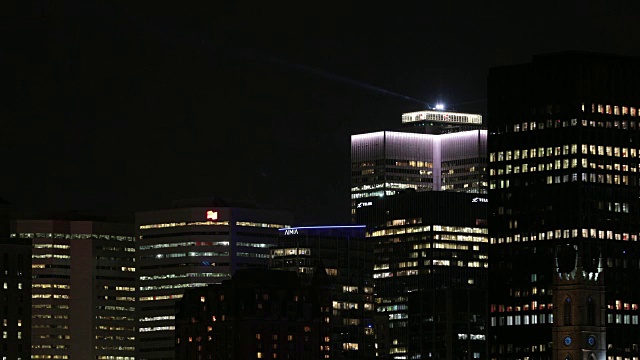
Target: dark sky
[{"x": 112, "y": 109}]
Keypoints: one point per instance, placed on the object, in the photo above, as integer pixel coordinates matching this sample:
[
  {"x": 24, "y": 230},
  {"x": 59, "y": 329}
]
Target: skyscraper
[
  {"x": 434, "y": 150},
  {"x": 420, "y": 188},
  {"x": 194, "y": 244},
  {"x": 564, "y": 207},
  {"x": 346, "y": 256},
  {"x": 83, "y": 288},
  {"x": 430, "y": 272}
]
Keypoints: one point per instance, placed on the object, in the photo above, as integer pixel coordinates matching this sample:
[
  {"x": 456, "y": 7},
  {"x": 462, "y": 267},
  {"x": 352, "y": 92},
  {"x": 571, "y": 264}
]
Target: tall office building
[
  {"x": 564, "y": 208},
  {"x": 346, "y": 256},
  {"x": 83, "y": 288},
  {"x": 430, "y": 272},
  {"x": 434, "y": 150},
  {"x": 15, "y": 293},
  {"x": 194, "y": 244}
]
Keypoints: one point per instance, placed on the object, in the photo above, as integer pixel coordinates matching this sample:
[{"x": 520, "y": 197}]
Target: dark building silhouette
[
  {"x": 564, "y": 138},
  {"x": 430, "y": 272},
  {"x": 15, "y": 291},
  {"x": 258, "y": 314},
  {"x": 448, "y": 323},
  {"x": 345, "y": 257},
  {"x": 5, "y": 219}
]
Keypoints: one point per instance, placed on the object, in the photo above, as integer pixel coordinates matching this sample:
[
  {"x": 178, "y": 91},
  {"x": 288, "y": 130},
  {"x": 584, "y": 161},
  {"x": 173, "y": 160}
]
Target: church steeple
[{"x": 578, "y": 299}]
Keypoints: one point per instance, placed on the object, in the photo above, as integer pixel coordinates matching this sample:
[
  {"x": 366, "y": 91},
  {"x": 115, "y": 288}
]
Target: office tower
[
  {"x": 346, "y": 256},
  {"x": 434, "y": 150},
  {"x": 83, "y": 288},
  {"x": 258, "y": 314},
  {"x": 564, "y": 142},
  {"x": 199, "y": 242},
  {"x": 430, "y": 272},
  {"x": 15, "y": 298}
]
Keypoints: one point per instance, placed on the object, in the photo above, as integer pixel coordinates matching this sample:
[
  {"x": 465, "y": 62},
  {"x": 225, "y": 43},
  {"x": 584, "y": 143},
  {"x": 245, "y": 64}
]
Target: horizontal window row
[
  {"x": 174, "y": 286},
  {"x": 563, "y": 165},
  {"x": 71, "y": 236},
  {"x": 184, "y": 243},
  {"x": 567, "y": 149},
  {"x": 566, "y": 234},
  {"x": 610, "y": 179},
  {"x": 179, "y": 276},
  {"x": 212, "y": 223},
  {"x": 516, "y": 320},
  {"x": 189, "y": 254}
]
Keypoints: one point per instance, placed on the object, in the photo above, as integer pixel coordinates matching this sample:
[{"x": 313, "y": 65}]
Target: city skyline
[
  {"x": 115, "y": 110},
  {"x": 492, "y": 219}
]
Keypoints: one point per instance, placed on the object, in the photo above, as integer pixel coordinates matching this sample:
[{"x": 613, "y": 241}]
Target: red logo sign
[{"x": 212, "y": 215}]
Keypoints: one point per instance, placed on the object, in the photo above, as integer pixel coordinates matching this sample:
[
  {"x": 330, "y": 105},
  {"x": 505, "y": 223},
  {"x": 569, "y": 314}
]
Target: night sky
[{"x": 112, "y": 109}]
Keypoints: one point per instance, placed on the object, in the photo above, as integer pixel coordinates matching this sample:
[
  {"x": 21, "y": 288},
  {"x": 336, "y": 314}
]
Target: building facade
[
  {"x": 346, "y": 256},
  {"x": 430, "y": 272},
  {"x": 433, "y": 151},
  {"x": 15, "y": 293},
  {"x": 193, "y": 245},
  {"x": 563, "y": 152},
  {"x": 258, "y": 314},
  {"x": 82, "y": 288}
]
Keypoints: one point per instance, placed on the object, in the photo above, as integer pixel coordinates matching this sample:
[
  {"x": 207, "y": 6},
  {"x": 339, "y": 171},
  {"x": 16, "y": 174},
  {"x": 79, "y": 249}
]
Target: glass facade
[
  {"x": 430, "y": 272},
  {"x": 346, "y": 258},
  {"x": 563, "y": 168},
  {"x": 81, "y": 270},
  {"x": 191, "y": 247},
  {"x": 387, "y": 162}
]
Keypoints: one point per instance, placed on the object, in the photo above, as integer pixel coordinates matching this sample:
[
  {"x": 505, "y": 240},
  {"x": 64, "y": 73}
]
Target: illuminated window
[{"x": 350, "y": 346}]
